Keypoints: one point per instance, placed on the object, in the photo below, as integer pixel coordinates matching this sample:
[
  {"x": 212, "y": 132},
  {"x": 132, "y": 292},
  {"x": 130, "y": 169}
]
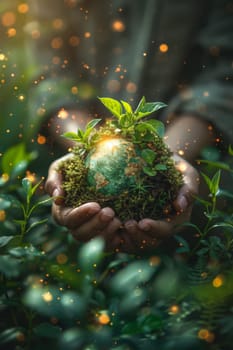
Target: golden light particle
[
  {"x": 182, "y": 166},
  {"x": 118, "y": 26},
  {"x": 204, "y": 275},
  {"x": 86, "y": 66},
  {"x": 206, "y": 94},
  {"x": 21, "y": 98},
  {"x": 87, "y": 35},
  {"x": 47, "y": 297},
  {"x": 206, "y": 335},
  {"x": 23, "y": 8},
  {"x": 131, "y": 87},
  {"x": 2, "y": 57},
  {"x": 154, "y": 260},
  {"x": 5, "y": 177},
  {"x": 11, "y": 32},
  {"x": 217, "y": 281},
  {"x": 58, "y": 23},
  {"x": 63, "y": 114},
  {"x": 2, "y": 215},
  {"x": 61, "y": 258},
  {"x": 74, "y": 90},
  {"x": 104, "y": 318},
  {"x": 56, "y": 60},
  {"x": 74, "y": 40},
  {"x": 56, "y": 43},
  {"x": 181, "y": 152},
  {"x": 163, "y": 47},
  {"x": 174, "y": 309},
  {"x": 30, "y": 176},
  {"x": 41, "y": 139},
  {"x": 8, "y": 19},
  {"x": 118, "y": 69},
  {"x": 113, "y": 85}
]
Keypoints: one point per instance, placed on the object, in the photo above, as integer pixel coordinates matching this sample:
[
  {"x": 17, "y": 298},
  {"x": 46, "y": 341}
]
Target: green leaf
[
  {"x": 230, "y": 150},
  {"x": 9, "y": 266},
  {"x": 36, "y": 223},
  {"x": 16, "y": 159},
  {"x": 207, "y": 180},
  {"x": 112, "y": 105},
  {"x": 27, "y": 186},
  {"x": 149, "y": 171},
  {"x": 5, "y": 203},
  {"x": 4, "y": 240},
  {"x": 91, "y": 124},
  {"x": 71, "y": 136},
  {"x": 148, "y": 155},
  {"x": 161, "y": 167},
  {"x": 222, "y": 224},
  {"x": 127, "y": 107},
  {"x": 132, "y": 276},
  {"x": 184, "y": 245},
  {"x": 158, "y": 126},
  {"x": 219, "y": 165},
  {"x": 91, "y": 253},
  {"x": 215, "y": 182},
  {"x": 146, "y": 108}
]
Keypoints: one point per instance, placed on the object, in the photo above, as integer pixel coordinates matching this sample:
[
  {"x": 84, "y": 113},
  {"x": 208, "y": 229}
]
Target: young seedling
[{"x": 125, "y": 154}]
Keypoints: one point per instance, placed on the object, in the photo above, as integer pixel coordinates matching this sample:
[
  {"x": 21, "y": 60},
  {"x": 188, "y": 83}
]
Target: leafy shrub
[{"x": 56, "y": 293}]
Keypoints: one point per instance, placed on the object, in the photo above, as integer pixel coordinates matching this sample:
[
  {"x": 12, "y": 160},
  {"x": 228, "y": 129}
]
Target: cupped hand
[
  {"x": 85, "y": 221},
  {"x": 147, "y": 234},
  {"x": 90, "y": 220}
]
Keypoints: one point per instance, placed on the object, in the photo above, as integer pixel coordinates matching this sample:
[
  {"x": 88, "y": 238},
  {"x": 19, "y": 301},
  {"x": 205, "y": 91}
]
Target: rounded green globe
[{"x": 113, "y": 166}]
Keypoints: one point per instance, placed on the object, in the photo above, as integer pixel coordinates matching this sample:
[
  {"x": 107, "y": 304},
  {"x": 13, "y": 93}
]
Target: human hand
[
  {"x": 90, "y": 220},
  {"x": 86, "y": 221},
  {"x": 147, "y": 233}
]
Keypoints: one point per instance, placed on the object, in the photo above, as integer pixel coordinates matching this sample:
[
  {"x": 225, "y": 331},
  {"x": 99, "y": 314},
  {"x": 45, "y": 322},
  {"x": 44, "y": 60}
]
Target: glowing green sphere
[{"x": 113, "y": 166}]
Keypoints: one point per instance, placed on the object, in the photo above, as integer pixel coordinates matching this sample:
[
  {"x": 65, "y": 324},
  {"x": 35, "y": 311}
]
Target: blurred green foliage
[{"x": 56, "y": 293}]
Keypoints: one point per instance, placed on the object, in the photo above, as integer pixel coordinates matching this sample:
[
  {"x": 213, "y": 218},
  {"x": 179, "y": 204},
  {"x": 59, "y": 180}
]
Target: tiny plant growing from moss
[{"x": 124, "y": 163}]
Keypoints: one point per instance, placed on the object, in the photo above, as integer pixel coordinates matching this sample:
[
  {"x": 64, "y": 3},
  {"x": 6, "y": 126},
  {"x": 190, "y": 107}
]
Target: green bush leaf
[
  {"x": 91, "y": 253},
  {"x": 158, "y": 126},
  {"x": 112, "y": 105},
  {"x": 148, "y": 155},
  {"x": 71, "y": 136},
  {"x": 4, "y": 240},
  {"x": 127, "y": 107},
  {"x": 149, "y": 171},
  {"x": 16, "y": 159},
  {"x": 146, "y": 108}
]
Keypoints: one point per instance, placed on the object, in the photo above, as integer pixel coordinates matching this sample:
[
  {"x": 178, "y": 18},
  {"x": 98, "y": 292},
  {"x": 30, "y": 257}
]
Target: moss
[{"x": 151, "y": 196}]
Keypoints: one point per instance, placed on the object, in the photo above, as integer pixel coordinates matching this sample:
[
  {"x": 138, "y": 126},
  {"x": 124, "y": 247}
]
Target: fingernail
[
  {"x": 144, "y": 226},
  {"x": 106, "y": 215},
  {"x": 55, "y": 193},
  {"x": 183, "y": 203}
]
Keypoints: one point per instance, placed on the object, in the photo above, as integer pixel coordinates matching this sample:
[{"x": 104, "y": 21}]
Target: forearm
[{"x": 187, "y": 135}]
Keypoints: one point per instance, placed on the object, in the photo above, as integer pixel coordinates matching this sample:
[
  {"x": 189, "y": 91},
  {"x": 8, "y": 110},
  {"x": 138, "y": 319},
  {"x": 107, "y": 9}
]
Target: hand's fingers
[
  {"x": 140, "y": 238},
  {"x": 53, "y": 185},
  {"x": 189, "y": 189},
  {"x": 74, "y": 217},
  {"x": 95, "y": 226},
  {"x": 161, "y": 229}
]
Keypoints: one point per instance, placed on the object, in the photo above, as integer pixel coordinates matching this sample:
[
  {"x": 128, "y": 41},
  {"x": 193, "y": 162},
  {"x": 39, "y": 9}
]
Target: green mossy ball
[{"x": 113, "y": 166}]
